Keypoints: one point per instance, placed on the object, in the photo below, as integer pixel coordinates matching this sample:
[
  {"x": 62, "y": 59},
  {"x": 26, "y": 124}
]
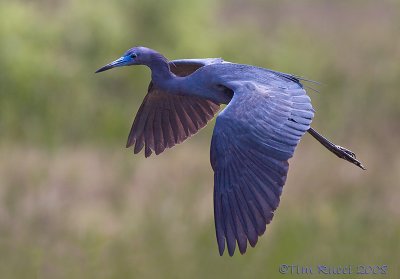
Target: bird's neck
[{"x": 160, "y": 70}]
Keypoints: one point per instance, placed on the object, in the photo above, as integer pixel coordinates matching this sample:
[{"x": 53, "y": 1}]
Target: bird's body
[{"x": 256, "y": 134}]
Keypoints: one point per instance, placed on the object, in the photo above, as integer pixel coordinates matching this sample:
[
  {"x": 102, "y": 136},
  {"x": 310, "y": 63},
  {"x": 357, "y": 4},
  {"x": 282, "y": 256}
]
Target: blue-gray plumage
[{"x": 256, "y": 134}]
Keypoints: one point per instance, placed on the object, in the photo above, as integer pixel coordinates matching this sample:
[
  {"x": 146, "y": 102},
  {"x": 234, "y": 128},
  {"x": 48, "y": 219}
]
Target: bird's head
[{"x": 133, "y": 56}]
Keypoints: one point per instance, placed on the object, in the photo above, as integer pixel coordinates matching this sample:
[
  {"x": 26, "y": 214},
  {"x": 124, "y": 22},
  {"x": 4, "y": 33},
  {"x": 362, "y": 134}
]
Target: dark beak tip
[
  {"x": 117, "y": 63},
  {"x": 102, "y": 69}
]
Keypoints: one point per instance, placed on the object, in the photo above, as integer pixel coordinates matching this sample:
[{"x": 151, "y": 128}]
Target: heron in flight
[{"x": 254, "y": 136}]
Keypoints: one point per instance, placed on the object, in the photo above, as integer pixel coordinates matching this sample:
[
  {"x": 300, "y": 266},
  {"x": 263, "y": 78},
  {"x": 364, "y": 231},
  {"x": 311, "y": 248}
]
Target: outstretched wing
[
  {"x": 164, "y": 120},
  {"x": 253, "y": 139},
  {"x": 184, "y": 67}
]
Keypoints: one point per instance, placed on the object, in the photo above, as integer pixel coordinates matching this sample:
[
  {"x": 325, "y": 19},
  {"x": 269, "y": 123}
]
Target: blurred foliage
[
  {"x": 50, "y": 49},
  {"x": 49, "y": 53},
  {"x": 90, "y": 213},
  {"x": 74, "y": 205}
]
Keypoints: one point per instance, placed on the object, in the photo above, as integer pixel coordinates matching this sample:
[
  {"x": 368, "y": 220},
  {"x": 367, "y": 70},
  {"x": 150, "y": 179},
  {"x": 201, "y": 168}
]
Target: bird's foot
[
  {"x": 349, "y": 152},
  {"x": 348, "y": 155}
]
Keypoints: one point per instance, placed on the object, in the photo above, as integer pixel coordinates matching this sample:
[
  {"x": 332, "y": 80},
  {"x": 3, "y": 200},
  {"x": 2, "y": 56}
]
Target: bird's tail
[{"x": 336, "y": 149}]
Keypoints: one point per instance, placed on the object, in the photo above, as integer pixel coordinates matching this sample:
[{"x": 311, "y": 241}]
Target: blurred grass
[
  {"x": 90, "y": 213},
  {"x": 75, "y": 204}
]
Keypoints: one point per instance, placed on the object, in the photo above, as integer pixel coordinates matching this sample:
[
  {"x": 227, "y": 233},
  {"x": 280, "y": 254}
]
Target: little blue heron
[{"x": 254, "y": 136}]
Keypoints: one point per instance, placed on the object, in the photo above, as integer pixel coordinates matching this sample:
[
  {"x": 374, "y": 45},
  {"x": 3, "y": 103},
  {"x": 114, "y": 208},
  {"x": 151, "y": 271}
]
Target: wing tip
[
  {"x": 231, "y": 249},
  {"x": 221, "y": 247},
  {"x": 147, "y": 152},
  {"x": 130, "y": 143}
]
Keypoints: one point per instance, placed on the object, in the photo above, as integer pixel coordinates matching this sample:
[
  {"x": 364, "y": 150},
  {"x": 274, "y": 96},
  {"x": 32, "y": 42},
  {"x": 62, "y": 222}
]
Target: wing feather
[
  {"x": 164, "y": 120},
  {"x": 167, "y": 129},
  {"x": 159, "y": 144},
  {"x": 149, "y": 134}
]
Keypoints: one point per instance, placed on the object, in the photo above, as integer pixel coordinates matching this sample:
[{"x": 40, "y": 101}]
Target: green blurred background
[{"x": 74, "y": 203}]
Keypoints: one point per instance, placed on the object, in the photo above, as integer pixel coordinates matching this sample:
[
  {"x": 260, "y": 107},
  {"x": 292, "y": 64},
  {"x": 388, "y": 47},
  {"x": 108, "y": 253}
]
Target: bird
[{"x": 266, "y": 114}]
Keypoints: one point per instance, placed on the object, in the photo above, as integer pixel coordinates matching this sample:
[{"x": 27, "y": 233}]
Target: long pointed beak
[{"x": 117, "y": 63}]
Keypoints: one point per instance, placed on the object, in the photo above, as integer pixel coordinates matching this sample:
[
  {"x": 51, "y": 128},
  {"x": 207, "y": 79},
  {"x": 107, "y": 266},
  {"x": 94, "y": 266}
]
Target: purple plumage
[{"x": 255, "y": 135}]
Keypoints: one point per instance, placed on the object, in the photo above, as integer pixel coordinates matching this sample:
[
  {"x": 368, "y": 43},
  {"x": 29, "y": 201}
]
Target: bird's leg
[{"x": 339, "y": 151}]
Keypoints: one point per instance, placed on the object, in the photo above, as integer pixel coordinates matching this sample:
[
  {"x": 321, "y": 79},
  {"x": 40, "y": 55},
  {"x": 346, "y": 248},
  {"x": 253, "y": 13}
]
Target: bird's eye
[{"x": 133, "y": 55}]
